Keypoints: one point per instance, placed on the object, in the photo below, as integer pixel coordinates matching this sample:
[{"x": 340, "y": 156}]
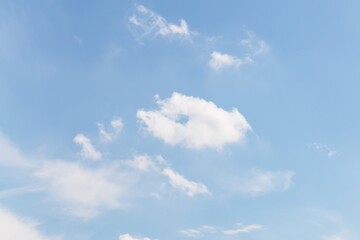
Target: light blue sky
[{"x": 144, "y": 120}]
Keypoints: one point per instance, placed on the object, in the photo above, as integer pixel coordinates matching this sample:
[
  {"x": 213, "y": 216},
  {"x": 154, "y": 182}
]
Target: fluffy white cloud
[
  {"x": 10, "y": 155},
  {"x": 243, "y": 229},
  {"x": 82, "y": 190},
  {"x": 260, "y": 182},
  {"x": 116, "y": 128},
  {"x": 88, "y": 151},
  {"x": 13, "y": 227},
  {"x": 219, "y": 61},
  {"x": 180, "y": 182},
  {"x": 152, "y": 24},
  {"x": 129, "y": 237},
  {"x": 206, "y": 125}
]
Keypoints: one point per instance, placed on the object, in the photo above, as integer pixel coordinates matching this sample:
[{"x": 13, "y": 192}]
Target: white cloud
[
  {"x": 116, "y": 128},
  {"x": 219, "y": 61},
  {"x": 206, "y": 124},
  {"x": 10, "y": 155},
  {"x": 199, "y": 231},
  {"x": 260, "y": 182},
  {"x": 88, "y": 151},
  {"x": 143, "y": 163},
  {"x": 82, "y": 190},
  {"x": 206, "y": 230},
  {"x": 179, "y": 182},
  {"x": 152, "y": 24},
  {"x": 18, "y": 228},
  {"x": 253, "y": 46},
  {"x": 243, "y": 229},
  {"x": 129, "y": 237}
]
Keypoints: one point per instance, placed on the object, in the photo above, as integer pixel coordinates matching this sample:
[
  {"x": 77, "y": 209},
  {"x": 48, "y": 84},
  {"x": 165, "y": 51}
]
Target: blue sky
[{"x": 144, "y": 120}]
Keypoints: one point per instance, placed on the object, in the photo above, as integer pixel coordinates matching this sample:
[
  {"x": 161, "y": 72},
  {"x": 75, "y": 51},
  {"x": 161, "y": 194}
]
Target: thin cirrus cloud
[
  {"x": 261, "y": 182},
  {"x": 206, "y": 230},
  {"x": 199, "y": 231},
  {"x": 149, "y": 23},
  {"x": 88, "y": 151},
  {"x": 14, "y": 227},
  {"x": 206, "y": 125},
  {"x": 243, "y": 229}
]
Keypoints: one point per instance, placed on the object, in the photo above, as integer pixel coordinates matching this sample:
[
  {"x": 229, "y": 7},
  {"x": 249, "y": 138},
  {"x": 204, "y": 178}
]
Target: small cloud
[
  {"x": 329, "y": 150},
  {"x": 116, "y": 128},
  {"x": 179, "y": 182},
  {"x": 199, "y": 231},
  {"x": 243, "y": 229},
  {"x": 152, "y": 24},
  {"x": 194, "y": 123},
  {"x": 129, "y": 237},
  {"x": 219, "y": 61},
  {"x": 261, "y": 182},
  {"x": 88, "y": 151},
  {"x": 143, "y": 163},
  {"x": 254, "y": 45}
]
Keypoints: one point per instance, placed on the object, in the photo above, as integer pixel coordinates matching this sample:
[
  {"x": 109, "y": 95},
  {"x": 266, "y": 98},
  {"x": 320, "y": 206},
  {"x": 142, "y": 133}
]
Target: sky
[{"x": 158, "y": 120}]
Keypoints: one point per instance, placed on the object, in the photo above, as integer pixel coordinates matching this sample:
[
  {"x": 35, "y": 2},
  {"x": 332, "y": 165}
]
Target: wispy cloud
[
  {"x": 14, "y": 227},
  {"x": 149, "y": 23},
  {"x": 19, "y": 191},
  {"x": 329, "y": 150},
  {"x": 144, "y": 163},
  {"x": 206, "y": 230},
  {"x": 252, "y": 45},
  {"x": 84, "y": 191},
  {"x": 11, "y": 156},
  {"x": 199, "y": 231},
  {"x": 259, "y": 182},
  {"x": 180, "y": 182},
  {"x": 205, "y": 125},
  {"x": 343, "y": 235},
  {"x": 110, "y": 135},
  {"x": 243, "y": 229},
  {"x": 88, "y": 151}
]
